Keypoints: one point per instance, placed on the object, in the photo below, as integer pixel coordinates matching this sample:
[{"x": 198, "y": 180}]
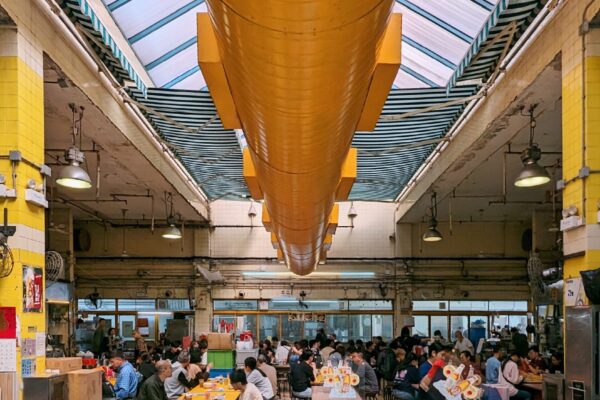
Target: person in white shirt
[
  {"x": 258, "y": 378},
  {"x": 283, "y": 350},
  {"x": 463, "y": 344},
  {"x": 510, "y": 375},
  {"x": 239, "y": 382}
]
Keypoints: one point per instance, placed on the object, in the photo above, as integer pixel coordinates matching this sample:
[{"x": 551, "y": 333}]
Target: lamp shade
[
  {"x": 532, "y": 175},
  {"x": 432, "y": 234},
  {"x": 73, "y": 176},
  {"x": 172, "y": 232}
]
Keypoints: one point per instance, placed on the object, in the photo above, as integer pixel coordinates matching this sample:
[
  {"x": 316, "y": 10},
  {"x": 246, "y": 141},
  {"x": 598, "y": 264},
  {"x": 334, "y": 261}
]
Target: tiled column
[{"x": 22, "y": 130}]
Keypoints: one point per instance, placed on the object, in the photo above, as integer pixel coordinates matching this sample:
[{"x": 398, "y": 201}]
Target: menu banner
[{"x": 32, "y": 289}]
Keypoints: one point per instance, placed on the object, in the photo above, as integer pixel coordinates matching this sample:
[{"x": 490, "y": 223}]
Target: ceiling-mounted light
[
  {"x": 72, "y": 175},
  {"x": 352, "y": 211},
  {"x": 432, "y": 234},
  {"x": 172, "y": 231},
  {"x": 532, "y": 174},
  {"x": 252, "y": 210},
  {"x": 352, "y": 214}
]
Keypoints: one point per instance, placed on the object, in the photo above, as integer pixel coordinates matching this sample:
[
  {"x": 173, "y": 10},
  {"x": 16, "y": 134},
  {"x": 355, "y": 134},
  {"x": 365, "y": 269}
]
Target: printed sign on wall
[{"x": 32, "y": 289}]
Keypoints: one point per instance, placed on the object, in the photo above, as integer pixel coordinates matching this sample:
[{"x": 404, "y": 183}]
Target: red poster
[
  {"x": 8, "y": 323},
  {"x": 32, "y": 289}
]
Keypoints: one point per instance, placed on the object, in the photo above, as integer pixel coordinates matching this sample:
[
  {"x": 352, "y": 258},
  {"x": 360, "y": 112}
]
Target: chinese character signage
[
  {"x": 307, "y": 317},
  {"x": 32, "y": 289}
]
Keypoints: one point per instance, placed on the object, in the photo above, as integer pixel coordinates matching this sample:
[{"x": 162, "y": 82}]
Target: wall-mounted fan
[
  {"x": 93, "y": 301},
  {"x": 55, "y": 265}
]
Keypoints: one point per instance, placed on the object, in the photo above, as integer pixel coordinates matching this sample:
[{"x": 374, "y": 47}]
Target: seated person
[
  {"x": 127, "y": 379},
  {"x": 556, "y": 364},
  {"x": 153, "y": 388},
  {"x": 469, "y": 362},
  {"x": 406, "y": 382},
  {"x": 179, "y": 382},
  {"x": 510, "y": 376},
  {"x": 301, "y": 375},
  {"x": 536, "y": 363},
  {"x": 248, "y": 390},
  {"x": 368, "y": 384},
  {"x": 492, "y": 366},
  {"x": 258, "y": 378}
]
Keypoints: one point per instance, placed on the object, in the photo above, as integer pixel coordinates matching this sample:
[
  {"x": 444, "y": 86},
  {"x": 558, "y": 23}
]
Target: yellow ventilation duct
[{"x": 298, "y": 76}]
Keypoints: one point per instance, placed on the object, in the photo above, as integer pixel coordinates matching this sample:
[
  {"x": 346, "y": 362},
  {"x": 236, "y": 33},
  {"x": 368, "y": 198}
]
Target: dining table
[{"x": 219, "y": 389}]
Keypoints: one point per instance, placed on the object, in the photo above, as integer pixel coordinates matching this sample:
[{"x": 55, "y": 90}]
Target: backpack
[{"x": 387, "y": 364}]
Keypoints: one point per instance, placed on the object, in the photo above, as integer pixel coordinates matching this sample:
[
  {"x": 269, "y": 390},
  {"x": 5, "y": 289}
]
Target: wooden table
[{"x": 199, "y": 392}]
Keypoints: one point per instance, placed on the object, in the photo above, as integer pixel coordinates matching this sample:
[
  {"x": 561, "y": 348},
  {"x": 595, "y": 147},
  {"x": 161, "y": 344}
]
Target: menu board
[{"x": 32, "y": 289}]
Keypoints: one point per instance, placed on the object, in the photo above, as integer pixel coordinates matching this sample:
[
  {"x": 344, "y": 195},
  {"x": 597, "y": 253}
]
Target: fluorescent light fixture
[
  {"x": 271, "y": 274},
  {"x": 155, "y": 313},
  {"x": 64, "y": 302}
]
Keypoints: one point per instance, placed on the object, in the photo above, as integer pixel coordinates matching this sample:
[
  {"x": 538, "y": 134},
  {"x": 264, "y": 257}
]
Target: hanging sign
[
  {"x": 32, "y": 289},
  {"x": 307, "y": 317}
]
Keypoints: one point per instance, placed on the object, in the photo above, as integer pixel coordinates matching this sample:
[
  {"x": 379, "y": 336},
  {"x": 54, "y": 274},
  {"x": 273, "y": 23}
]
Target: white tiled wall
[{"x": 233, "y": 235}]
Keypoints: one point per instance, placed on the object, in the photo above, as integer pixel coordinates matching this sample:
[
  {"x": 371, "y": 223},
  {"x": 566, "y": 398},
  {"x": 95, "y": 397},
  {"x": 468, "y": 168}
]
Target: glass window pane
[
  {"x": 458, "y": 323},
  {"x": 430, "y": 305},
  {"x": 508, "y": 306},
  {"x": 478, "y": 329},
  {"x": 230, "y": 305},
  {"x": 383, "y": 325},
  {"x": 240, "y": 323},
  {"x": 310, "y": 329},
  {"x": 360, "y": 327},
  {"x": 370, "y": 305},
  {"x": 421, "y": 327},
  {"x": 151, "y": 327},
  {"x": 439, "y": 323},
  {"x": 225, "y": 319},
  {"x": 291, "y": 330},
  {"x": 101, "y": 305},
  {"x": 337, "y": 324},
  {"x": 173, "y": 304},
  {"x": 137, "y": 304},
  {"x": 269, "y": 326},
  {"x": 499, "y": 323},
  {"x": 307, "y": 305},
  {"x": 519, "y": 322},
  {"x": 126, "y": 327},
  {"x": 469, "y": 305}
]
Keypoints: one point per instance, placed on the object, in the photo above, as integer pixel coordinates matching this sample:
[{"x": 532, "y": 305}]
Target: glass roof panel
[{"x": 436, "y": 36}]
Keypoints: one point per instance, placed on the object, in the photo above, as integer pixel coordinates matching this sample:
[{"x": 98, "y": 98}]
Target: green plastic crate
[{"x": 221, "y": 359}]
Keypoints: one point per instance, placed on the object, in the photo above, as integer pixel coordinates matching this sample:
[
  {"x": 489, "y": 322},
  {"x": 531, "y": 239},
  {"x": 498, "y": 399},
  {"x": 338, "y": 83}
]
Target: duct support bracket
[
  {"x": 213, "y": 72},
  {"x": 348, "y": 175},
  {"x": 386, "y": 70},
  {"x": 249, "y": 173}
]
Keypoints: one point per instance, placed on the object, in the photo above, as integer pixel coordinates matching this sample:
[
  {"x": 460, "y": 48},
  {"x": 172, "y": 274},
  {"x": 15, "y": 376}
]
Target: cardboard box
[
  {"x": 84, "y": 384},
  {"x": 219, "y": 341},
  {"x": 64, "y": 364}
]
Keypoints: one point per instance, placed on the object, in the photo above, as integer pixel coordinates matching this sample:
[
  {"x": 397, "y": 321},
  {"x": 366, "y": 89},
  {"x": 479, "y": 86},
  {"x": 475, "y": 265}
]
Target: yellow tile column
[
  {"x": 581, "y": 148},
  {"x": 22, "y": 129}
]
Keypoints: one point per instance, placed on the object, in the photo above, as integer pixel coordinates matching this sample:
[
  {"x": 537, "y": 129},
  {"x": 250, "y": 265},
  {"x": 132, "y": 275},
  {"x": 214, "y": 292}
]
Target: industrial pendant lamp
[
  {"x": 72, "y": 175},
  {"x": 172, "y": 231},
  {"x": 532, "y": 174},
  {"x": 432, "y": 234}
]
